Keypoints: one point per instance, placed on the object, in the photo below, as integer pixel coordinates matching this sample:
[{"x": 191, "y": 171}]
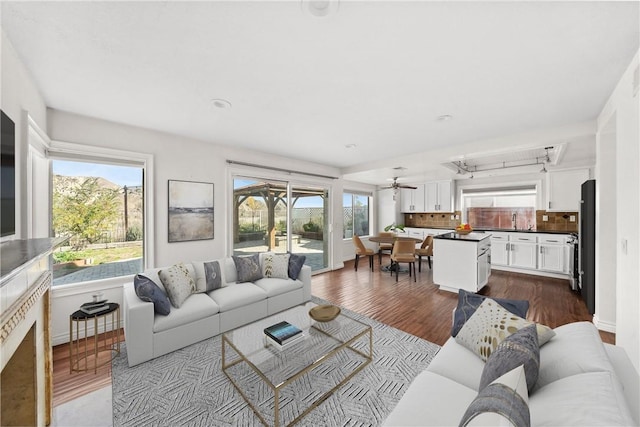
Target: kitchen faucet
[{"x": 514, "y": 218}]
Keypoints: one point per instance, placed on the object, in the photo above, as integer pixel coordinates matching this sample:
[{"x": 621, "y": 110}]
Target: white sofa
[
  {"x": 581, "y": 382},
  {"x": 204, "y": 315}
]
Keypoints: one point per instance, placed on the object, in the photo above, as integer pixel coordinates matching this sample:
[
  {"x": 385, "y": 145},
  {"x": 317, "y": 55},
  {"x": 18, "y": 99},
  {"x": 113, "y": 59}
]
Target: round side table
[{"x": 84, "y": 349}]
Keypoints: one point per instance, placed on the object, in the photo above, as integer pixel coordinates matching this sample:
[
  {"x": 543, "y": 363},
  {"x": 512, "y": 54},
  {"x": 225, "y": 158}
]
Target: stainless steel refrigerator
[{"x": 587, "y": 244}]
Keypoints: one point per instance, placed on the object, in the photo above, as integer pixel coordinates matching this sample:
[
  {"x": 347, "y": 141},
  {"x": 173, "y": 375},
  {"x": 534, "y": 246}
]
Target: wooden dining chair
[
  {"x": 384, "y": 247},
  {"x": 425, "y": 249},
  {"x": 362, "y": 250},
  {"x": 404, "y": 251}
]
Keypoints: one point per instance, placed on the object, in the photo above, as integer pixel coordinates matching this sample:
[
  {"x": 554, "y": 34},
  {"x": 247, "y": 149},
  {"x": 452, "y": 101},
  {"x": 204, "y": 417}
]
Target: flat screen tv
[{"x": 8, "y": 177}]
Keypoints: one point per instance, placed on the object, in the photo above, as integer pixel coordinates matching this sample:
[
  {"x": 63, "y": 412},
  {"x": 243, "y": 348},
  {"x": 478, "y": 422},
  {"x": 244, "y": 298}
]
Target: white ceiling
[{"x": 513, "y": 75}]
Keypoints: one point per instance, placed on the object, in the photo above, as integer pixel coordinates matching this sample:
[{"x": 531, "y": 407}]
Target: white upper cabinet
[
  {"x": 412, "y": 200},
  {"x": 563, "y": 190},
  {"x": 439, "y": 196}
]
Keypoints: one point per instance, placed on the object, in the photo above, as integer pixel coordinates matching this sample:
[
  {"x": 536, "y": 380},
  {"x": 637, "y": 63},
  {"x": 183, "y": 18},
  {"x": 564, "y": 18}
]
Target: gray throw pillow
[
  {"x": 148, "y": 291},
  {"x": 520, "y": 348},
  {"x": 213, "y": 275},
  {"x": 178, "y": 283},
  {"x": 503, "y": 402},
  {"x": 295, "y": 265},
  {"x": 469, "y": 302},
  {"x": 248, "y": 268}
]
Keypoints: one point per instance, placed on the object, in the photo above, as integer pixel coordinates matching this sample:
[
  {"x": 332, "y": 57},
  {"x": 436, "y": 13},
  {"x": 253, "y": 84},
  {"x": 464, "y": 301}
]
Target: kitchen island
[{"x": 464, "y": 261}]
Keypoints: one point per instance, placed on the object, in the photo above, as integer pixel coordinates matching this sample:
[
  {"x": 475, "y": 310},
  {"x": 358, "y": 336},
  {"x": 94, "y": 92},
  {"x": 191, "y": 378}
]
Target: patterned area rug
[{"x": 188, "y": 387}]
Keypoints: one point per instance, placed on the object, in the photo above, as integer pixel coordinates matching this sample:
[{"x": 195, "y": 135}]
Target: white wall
[{"x": 624, "y": 105}]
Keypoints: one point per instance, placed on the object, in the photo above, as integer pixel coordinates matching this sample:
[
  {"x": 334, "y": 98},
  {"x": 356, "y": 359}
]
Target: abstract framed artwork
[{"x": 190, "y": 211}]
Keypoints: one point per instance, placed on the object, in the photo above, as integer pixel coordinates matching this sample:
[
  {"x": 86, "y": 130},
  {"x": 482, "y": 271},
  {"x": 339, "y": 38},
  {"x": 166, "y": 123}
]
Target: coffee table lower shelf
[{"x": 228, "y": 348}]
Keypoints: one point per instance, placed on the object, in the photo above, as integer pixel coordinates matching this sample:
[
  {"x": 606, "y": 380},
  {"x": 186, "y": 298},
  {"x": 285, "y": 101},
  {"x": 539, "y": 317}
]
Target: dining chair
[
  {"x": 384, "y": 247},
  {"x": 425, "y": 249},
  {"x": 404, "y": 251},
  {"x": 361, "y": 249}
]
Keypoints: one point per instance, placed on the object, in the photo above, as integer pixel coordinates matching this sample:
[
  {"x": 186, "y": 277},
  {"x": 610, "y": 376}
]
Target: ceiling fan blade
[{"x": 407, "y": 186}]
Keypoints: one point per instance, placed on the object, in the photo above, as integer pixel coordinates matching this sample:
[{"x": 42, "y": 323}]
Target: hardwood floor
[{"x": 418, "y": 308}]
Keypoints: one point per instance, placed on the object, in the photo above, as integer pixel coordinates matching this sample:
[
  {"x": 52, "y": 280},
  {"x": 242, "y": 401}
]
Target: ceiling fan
[{"x": 395, "y": 185}]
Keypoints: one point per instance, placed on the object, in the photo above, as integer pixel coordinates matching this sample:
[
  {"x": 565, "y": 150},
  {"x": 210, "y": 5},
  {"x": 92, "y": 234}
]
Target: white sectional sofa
[
  {"x": 204, "y": 315},
  {"x": 581, "y": 382}
]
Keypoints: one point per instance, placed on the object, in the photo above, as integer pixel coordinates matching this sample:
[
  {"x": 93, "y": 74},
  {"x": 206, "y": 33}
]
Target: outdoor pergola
[{"x": 272, "y": 193}]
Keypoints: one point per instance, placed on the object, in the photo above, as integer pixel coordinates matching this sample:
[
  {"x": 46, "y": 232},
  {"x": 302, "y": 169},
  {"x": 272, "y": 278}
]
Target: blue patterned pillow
[
  {"x": 148, "y": 291},
  {"x": 469, "y": 302},
  {"x": 295, "y": 265},
  {"x": 503, "y": 402},
  {"x": 519, "y": 348},
  {"x": 248, "y": 268}
]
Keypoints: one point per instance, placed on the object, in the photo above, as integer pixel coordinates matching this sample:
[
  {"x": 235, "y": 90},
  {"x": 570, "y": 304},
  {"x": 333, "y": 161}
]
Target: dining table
[{"x": 391, "y": 240}]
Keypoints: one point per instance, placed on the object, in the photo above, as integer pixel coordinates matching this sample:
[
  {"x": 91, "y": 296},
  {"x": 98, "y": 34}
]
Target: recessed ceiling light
[
  {"x": 221, "y": 103},
  {"x": 320, "y": 8},
  {"x": 350, "y": 146},
  {"x": 444, "y": 118}
]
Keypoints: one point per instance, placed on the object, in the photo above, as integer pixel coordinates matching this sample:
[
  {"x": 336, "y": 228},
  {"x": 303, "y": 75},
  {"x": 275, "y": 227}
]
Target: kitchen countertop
[
  {"x": 471, "y": 237},
  {"x": 506, "y": 230}
]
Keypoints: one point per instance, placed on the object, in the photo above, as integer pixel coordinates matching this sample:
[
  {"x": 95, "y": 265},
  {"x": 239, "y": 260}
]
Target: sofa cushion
[
  {"x": 295, "y": 265},
  {"x": 502, "y": 402},
  {"x": 490, "y": 325},
  {"x": 209, "y": 275},
  {"x": 247, "y": 268},
  {"x": 274, "y": 287},
  {"x": 196, "y": 307},
  {"x": 589, "y": 399},
  {"x": 458, "y": 363},
  {"x": 148, "y": 290},
  {"x": 275, "y": 265},
  {"x": 519, "y": 348},
  {"x": 468, "y": 303},
  {"x": 576, "y": 349},
  {"x": 431, "y": 400},
  {"x": 237, "y": 295},
  {"x": 178, "y": 283}
]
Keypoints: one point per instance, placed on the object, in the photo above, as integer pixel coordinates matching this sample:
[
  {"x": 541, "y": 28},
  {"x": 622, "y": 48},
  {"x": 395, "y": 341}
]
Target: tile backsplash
[
  {"x": 557, "y": 221},
  {"x": 432, "y": 219}
]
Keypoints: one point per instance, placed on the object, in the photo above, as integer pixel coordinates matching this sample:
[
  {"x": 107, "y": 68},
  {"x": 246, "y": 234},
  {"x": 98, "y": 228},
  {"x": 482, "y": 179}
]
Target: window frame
[
  {"x": 61, "y": 150},
  {"x": 369, "y": 197}
]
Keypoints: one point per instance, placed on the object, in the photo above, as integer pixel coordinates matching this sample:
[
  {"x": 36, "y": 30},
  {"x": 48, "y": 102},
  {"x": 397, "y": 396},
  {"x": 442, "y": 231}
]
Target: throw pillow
[
  {"x": 275, "y": 265},
  {"x": 247, "y": 268},
  {"x": 490, "y": 325},
  {"x": 503, "y": 402},
  {"x": 148, "y": 291},
  {"x": 468, "y": 303},
  {"x": 178, "y": 283},
  {"x": 295, "y": 265},
  {"x": 520, "y": 348},
  {"x": 213, "y": 276}
]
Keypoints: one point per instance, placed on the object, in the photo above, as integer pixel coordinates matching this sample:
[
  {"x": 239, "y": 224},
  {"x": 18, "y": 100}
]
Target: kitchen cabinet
[
  {"x": 523, "y": 255},
  {"x": 564, "y": 190},
  {"x": 516, "y": 250},
  {"x": 438, "y": 196},
  {"x": 499, "y": 248},
  {"x": 413, "y": 200},
  {"x": 464, "y": 262},
  {"x": 552, "y": 254}
]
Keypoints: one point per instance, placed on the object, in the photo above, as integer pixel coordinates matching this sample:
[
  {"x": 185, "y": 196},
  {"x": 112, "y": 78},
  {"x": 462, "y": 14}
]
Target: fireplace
[{"x": 25, "y": 342}]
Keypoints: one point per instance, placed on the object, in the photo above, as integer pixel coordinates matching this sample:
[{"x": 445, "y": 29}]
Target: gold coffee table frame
[{"x": 344, "y": 341}]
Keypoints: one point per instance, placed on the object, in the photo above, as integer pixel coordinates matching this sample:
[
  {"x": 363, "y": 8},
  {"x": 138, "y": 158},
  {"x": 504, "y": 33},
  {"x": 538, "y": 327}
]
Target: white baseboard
[{"x": 604, "y": 326}]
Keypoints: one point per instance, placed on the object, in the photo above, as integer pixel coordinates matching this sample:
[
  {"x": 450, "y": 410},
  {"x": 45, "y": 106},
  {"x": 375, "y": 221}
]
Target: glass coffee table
[{"x": 282, "y": 386}]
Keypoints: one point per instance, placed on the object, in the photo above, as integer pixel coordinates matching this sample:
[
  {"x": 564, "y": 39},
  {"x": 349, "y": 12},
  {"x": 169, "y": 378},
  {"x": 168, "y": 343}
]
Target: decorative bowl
[
  {"x": 324, "y": 313},
  {"x": 463, "y": 231}
]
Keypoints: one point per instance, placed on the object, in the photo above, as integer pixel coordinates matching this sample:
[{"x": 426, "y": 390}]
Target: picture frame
[{"x": 190, "y": 211}]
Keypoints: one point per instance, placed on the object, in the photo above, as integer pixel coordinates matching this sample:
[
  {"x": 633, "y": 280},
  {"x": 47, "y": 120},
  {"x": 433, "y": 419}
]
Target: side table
[{"x": 83, "y": 350}]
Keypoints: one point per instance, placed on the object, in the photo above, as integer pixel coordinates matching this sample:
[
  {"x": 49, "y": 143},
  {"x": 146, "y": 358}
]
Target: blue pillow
[
  {"x": 468, "y": 303},
  {"x": 295, "y": 265},
  {"x": 148, "y": 291},
  {"x": 247, "y": 268}
]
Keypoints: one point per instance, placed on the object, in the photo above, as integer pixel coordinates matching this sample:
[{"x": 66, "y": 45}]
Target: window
[
  {"x": 356, "y": 215},
  {"x": 98, "y": 206},
  {"x": 500, "y": 208}
]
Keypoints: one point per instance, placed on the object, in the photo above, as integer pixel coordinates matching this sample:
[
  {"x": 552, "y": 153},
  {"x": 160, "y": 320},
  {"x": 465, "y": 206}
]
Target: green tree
[{"x": 84, "y": 209}]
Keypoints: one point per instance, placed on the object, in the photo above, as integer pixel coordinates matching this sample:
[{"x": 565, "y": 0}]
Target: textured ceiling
[{"x": 376, "y": 74}]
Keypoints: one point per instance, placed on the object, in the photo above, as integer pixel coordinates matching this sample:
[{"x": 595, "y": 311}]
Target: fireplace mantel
[{"x": 25, "y": 339}]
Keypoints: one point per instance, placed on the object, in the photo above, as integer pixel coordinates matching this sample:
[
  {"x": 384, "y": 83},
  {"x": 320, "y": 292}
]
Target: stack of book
[
  {"x": 94, "y": 307},
  {"x": 283, "y": 334}
]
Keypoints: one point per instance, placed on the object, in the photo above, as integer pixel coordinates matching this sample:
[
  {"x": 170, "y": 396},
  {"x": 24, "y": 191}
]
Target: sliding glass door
[{"x": 278, "y": 216}]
